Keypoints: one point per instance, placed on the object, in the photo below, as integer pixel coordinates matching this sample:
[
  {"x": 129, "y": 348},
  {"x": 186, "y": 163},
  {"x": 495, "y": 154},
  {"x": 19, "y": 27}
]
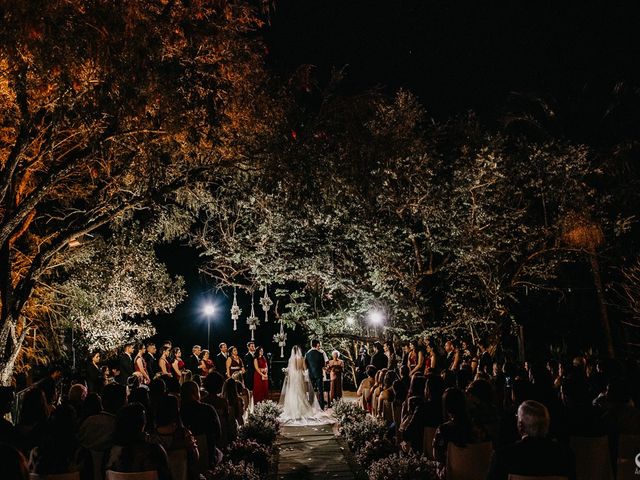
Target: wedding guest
[
  {"x": 151, "y": 360},
  {"x": 228, "y": 427},
  {"x": 221, "y": 359},
  {"x": 365, "y": 388},
  {"x": 206, "y": 364},
  {"x": 235, "y": 366},
  {"x": 94, "y": 375},
  {"x": 433, "y": 391},
  {"x": 235, "y": 402},
  {"x": 33, "y": 417},
  {"x": 141, "y": 365},
  {"x": 450, "y": 351},
  {"x": 390, "y": 352},
  {"x": 177, "y": 366},
  {"x": 416, "y": 358},
  {"x": 200, "y": 418},
  {"x": 260, "y": 377},
  {"x": 14, "y": 465},
  {"x": 385, "y": 401},
  {"x": 126, "y": 364},
  {"x": 50, "y": 386},
  {"x": 335, "y": 366},
  {"x": 192, "y": 363},
  {"x": 364, "y": 360},
  {"x": 131, "y": 452},
  {"x": 249, "y": 366},
  {"x": 431, "y": 359},
  {"x": 379, "y": 359},
  {"x": 412, "y": 415},
  {"x": 376, "y": 390},
  {"x": 485, "y": 361},
  {"x": 173, "y": 436},
  {"x": 164, "y": 362}
]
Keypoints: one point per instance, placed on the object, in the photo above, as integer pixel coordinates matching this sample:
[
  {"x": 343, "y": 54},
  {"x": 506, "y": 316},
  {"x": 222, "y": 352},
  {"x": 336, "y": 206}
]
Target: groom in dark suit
[{"x": 314, "y": 360}]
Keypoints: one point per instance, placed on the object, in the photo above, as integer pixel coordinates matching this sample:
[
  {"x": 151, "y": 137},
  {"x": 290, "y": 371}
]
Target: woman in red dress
[{"x": 260, "y": 377}]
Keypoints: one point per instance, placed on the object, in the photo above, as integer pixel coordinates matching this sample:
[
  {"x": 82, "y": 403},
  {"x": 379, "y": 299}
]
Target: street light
[
  {"x": 376, "y": 317},
  {"x": 209, "y": 310}
]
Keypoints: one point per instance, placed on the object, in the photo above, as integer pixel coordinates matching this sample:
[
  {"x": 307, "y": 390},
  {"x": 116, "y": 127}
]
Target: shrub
[
  {"x": 405, "y": 467},
  {"x": 262, "y": 430},
  {"x": 250, "y": 451},
  {"x": 358, "y": 433},
  {"x": 347, "y": 412},
  {"x": 233, "y": 471},
  {"x": 374, "y": 450},
  {"x": 268, "y": 409}
]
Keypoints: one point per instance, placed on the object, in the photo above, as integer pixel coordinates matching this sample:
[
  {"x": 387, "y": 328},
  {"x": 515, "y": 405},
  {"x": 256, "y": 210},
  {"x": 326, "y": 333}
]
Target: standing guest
[
  {"x": 485, "y": 361},
  {"x": 260, "y": 377},
  {"x": 126, "y": 364},
  {"x": 236, "y": 405},
  {"x": 131, "y": 452},
  {"x": 450, "y": 352},
  {"x": 249, "y": 366},
  {"x": 335, "y": 367},
  {"x": 416, "y": 358},
  {"x": 379, "y": 359},
  {"x": 235, "y": 367},
  {"x": 95, "y": 377},
  {"x": 177, "y": 366},
  {"x": 364, "y": 360},
  {"x": 141, "y": 365},
  {"x": 193, "y": 361},
  {"x": 390, "y": 352},
  {"x": 164, "y": 363},
  {"x": 50, "y": 385},
  {"x": 206, "y": 364},
  {"x": 364, "y": 390},
  {"x": 201, "y": 419},
  {"x": 151, "y": 360},
  {"x": 431, "y": 359},
  {"x": 221, "y": 359},
  {"x": 535, "y": 454}
]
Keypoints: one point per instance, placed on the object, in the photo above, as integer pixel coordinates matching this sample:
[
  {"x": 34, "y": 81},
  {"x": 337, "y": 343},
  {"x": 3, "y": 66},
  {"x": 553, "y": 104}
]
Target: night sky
[{"x": 457, "y": 56}]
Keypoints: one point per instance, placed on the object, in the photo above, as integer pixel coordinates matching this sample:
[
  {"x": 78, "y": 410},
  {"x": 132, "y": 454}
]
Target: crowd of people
[
  {"x": 148, "y": 409},
  {"x": 528, "y": 411}
]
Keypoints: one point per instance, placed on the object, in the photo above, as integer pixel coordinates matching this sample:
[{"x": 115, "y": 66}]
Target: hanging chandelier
[
  {"x": 252, "y": 320},
  {"x": 266, "y": 303},
  {"x": 235, "y": 310}
]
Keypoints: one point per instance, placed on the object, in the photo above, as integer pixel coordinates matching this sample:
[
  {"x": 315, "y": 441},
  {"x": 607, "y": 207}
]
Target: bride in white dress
[{"x": 298, "y": 400}]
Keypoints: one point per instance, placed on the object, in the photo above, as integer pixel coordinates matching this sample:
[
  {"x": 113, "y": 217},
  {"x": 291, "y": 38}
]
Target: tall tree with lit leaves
[{"x": 107, "y": 109}]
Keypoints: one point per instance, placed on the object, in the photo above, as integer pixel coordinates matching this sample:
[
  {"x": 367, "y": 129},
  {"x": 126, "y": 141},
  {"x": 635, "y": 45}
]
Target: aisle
[{"x": 311, "y": 453}]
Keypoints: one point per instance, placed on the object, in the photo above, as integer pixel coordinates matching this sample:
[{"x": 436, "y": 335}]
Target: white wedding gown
[{"x": 298, "y": 400}]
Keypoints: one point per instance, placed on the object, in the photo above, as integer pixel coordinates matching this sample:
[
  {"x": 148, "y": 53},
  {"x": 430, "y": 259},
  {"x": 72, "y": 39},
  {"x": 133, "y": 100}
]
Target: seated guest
[
  {"x": 32, "y": 419},
  {"x": 92, "y": 406},
  {"x": 173, "y": 436},
  {"x": 484, "y": 414},
  {"x": 379, "y": 359},
  {"x": 457, "y": 429},
  {"x": 14, "y": 465},
  {"x": 433, "y": 391},
  {"x": 59, "y": 451},
  {"x": 200, "y": 418},
  {"x": 579, "y": 418},
  {"x": 236, "y": 405},
  {"x": 364, "y": 390},
  {"x": 535, "y": 454},
  {"x": 76, "y": 397},
  {"x": 385, "y": 401},
  {"x": 412, "y": 416},
  {"x": 96, "y": 432},
  {"x": 213, "y": 386},
  {"x": 620, "y": 415},
  {"x": 131, "y": 452}
]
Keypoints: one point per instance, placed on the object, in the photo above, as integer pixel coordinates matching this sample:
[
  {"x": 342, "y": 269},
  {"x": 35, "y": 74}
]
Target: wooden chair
[
  {"x": 203, "y": 451},
  {"x": 57, "y": 476},
  {"x": 468, "y": 463},
  {"x": 427, "y": 442},
  {"x": 528, "y": 477},
  {"x": 150, "y": 475},
  {"x": 628, "y": 448},
  {"x": 593, "y": 461},
  {"x": 178, "y": 464}
]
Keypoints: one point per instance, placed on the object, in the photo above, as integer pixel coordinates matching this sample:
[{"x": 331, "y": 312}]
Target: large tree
[{"x": 106, "y": 109}]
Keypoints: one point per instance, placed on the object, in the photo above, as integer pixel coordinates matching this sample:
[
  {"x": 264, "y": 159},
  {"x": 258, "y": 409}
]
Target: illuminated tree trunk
[{"x": 604, "y": 316}]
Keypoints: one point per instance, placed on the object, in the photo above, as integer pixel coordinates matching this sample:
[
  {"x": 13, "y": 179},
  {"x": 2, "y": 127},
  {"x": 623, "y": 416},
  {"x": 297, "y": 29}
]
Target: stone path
[{"x": 309, "y": 453}]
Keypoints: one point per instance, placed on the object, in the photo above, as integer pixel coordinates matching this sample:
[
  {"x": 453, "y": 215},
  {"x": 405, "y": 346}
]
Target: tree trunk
[
  {"x": 7, "y": 366},
  {"x": 604, "y": 316}
]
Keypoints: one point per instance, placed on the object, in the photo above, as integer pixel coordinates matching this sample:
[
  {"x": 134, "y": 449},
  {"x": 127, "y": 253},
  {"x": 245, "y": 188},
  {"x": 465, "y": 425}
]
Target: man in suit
[
  {"x": 534, "y": 454},
  {"x": 379, "y": 359},
  {"x": 364, "y": 360},
  {"x": 314, "y": 360},
  {"x": 151, "y": 360},
  {"x": 125, "y": 362},
  {"x": 248, "y": 366},
  {"x": 221, "y": 360},
  {"x": 193, "y": 361}
]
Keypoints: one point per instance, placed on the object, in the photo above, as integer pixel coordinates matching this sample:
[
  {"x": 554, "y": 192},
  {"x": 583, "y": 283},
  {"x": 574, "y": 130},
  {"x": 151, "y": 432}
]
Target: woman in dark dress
[
  {"x": 260, "y": 377},
  {"x": 335, "y": 367},
  {"x": 235, "y": 366},
  {"x": 95, "y": 377}
]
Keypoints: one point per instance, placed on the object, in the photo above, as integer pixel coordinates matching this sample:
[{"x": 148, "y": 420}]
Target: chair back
[
  {"x": 628, "y": 448},
  {"x": 593, "y": 461},
  {"x": 203, "y": 450},
  {"x": 529, "y": 477},
  {"x": 57, "y": 476},
  {"x": 150, "y": 475},
  {"x": 427, "y": 443},
  {"x": 178, "y": 464},
  {"x": 468, "y": 463}
]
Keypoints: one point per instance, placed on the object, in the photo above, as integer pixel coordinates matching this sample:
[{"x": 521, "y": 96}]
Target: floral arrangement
[
  {"x": 268, "y": 410},
  {"x": 358, "y": 433},
  {"x": 233, "y": 471},
  {"x": 403, "y": 467},
  {"x": 346, "y": 412},
  {"x": 250, "y": 452},
  {"x": 374, "y": 450},
  {"x": 261, "y": 429}
]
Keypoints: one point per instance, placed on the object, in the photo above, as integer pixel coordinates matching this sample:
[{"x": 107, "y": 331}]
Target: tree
[{"x": 107, "y": 109}]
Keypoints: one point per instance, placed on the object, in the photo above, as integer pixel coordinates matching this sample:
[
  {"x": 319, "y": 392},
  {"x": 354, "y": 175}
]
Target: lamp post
[{"x": 209, "y": 310}]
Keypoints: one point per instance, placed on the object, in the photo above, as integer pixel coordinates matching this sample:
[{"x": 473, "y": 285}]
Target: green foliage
[{"x": 403, "y": 467}]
